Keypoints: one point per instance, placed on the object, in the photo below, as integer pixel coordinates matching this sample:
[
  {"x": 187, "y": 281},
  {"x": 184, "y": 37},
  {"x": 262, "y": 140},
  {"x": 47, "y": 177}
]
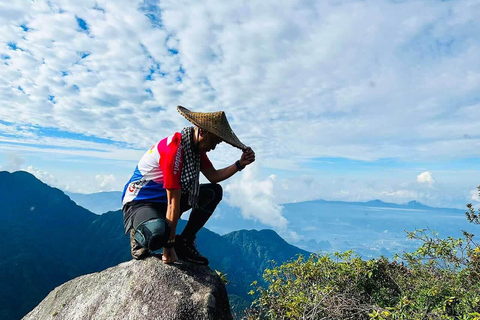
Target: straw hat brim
[{"x": 214, "y": 122}]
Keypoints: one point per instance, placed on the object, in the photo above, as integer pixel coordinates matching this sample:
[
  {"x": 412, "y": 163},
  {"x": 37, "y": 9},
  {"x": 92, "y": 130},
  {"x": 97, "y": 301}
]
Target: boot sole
[{"x": 202, "y": 263}]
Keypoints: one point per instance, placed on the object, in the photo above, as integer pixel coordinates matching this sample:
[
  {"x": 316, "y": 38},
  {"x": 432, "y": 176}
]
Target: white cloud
[
  {"x": 426, "y": 177},
  {"x": 255, "y": 198},
  {"x": 474, "y": 195},
  {"x": 291, "y": 236},
  {"x": 106, "y": 182},
  {"x": 44, "y": 176},
  {"x": 14, "y": 162},
  {"x": 79, "y": 183}
]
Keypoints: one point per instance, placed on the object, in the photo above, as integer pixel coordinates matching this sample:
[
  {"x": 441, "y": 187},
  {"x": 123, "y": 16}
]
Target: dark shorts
[
  {"x": 137, "y": 212},
  {"x": 144, "y": 211}
]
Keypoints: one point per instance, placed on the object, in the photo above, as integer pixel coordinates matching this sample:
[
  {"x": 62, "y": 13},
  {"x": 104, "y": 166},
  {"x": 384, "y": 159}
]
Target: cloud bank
[
  {"x": 395, "y": 79},
  {"x": 255, "y": 198}
]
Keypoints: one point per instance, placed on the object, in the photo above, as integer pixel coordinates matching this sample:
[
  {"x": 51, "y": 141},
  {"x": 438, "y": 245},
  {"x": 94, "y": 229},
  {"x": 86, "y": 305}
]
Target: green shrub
[{"x": 440, "y": 280}]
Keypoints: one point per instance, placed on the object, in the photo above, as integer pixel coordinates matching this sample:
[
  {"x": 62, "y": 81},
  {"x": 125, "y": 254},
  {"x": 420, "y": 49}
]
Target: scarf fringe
[{"x": 189, "y": 178}]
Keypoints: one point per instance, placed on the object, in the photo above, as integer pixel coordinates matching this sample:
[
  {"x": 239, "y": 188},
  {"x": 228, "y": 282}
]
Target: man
[{"x": 165, "y": 184}]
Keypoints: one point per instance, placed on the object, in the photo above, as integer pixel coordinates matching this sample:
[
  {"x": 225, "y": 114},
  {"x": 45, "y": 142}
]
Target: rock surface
[{"x": 145, "y": 289}]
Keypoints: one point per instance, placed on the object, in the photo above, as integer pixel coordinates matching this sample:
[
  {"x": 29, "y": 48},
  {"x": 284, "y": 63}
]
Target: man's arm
[
  {"x": 214, "y": 176},
  {"x": 173, "y": 214}
]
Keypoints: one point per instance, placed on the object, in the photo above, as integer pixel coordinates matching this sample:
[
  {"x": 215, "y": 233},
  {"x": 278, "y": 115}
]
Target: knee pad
[{"x": 153, "y": 234}]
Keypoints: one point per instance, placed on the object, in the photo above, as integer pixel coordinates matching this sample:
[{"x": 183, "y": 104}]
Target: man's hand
[
  {"x": 169, "y": 255},
  {"x": 248, "y": 156}
]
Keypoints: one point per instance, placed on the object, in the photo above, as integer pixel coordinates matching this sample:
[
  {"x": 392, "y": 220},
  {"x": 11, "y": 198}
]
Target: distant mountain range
[
  {"x": 102, "y": 202},
  {"x": 49, "y": 239},
  {"x": 371, "y": 228}
]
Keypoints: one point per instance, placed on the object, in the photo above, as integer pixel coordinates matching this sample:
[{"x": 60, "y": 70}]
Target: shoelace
[{"x": 192, "y": 246}]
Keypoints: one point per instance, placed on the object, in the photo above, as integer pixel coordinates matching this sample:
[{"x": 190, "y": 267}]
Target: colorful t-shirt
[{"x": 159, "y": 169}]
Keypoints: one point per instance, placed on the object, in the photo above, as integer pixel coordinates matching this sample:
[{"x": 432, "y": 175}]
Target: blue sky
[{"x": 341, "y": 100}]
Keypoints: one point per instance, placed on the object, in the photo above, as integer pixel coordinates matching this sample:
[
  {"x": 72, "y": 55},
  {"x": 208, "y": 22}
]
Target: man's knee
[
  {"x": 153, "y": 234},
  {"x": 210, "y": 195},
  {"x": 217, "y": 188}
]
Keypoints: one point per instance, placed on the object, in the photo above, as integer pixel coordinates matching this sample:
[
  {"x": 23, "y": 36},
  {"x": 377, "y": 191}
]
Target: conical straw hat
[{"x": 215, "y": 123}]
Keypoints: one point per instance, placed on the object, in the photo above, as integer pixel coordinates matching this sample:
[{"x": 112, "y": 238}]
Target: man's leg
[
  {"x": 138, "y": 252},
  {"x": 209, "y": 197},
  {"x": 142, "y": 212}
]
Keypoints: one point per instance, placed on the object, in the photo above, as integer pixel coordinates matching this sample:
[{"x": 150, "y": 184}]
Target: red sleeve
[
  {"x": 204, "y": 161},
  {"x": 171, "y": 161}
]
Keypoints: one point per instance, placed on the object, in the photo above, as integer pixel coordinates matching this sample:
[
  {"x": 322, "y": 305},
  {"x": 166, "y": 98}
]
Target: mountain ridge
[{"x": 58, "y": 240}]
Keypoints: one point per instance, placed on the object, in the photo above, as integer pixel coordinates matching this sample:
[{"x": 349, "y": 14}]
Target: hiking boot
[
  {"x": 186, "y": 250},
  {"x": 138, "y": 252}
]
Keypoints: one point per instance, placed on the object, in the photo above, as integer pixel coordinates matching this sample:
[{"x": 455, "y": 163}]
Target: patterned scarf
[{"x": 189, "y": 178}]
